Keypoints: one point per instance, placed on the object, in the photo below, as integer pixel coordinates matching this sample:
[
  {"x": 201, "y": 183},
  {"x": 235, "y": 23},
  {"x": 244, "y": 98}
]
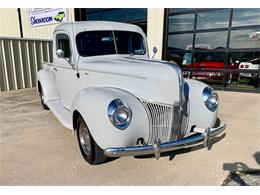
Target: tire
[
  {"x": 90, "y": 151},
  {"x": 42, "y": 99},
  {"x": 229, "y": 81},
  {"x": 256, "y": 82}
]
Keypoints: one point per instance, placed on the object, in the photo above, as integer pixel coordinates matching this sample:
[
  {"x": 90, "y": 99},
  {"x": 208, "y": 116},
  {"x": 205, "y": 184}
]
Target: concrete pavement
[{"x": 35, "y": 149}]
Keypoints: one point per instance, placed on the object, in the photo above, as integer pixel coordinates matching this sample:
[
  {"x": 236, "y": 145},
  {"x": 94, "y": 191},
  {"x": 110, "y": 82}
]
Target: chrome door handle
[{"x": 55, "y": 69}]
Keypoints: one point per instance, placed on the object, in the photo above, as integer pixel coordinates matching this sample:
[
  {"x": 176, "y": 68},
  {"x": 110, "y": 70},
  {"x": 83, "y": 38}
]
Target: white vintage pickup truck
[{"x": 119, "y": 102}]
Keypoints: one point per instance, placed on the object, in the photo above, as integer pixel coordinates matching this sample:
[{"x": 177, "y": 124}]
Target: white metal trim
[
  {"x": 13, "y": 64},
  {"x": 29, "y": 64},
  {"x": 41, "y": 51},
  {"x": 35, "y": 57},
  {"x": 6, "y": 79},
  {"x": 48, "y": 52},
  {"x": 21, "y": 63}
]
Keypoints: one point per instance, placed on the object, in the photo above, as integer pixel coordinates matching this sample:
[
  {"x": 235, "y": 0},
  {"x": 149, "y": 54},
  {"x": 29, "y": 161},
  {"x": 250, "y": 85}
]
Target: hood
[{"x": 148, "y": 80}]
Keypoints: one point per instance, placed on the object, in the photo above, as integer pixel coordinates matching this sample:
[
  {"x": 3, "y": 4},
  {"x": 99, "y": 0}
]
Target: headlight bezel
[
  {"x": 210, "y": 98},
  {"x": 116, "y": 117}
]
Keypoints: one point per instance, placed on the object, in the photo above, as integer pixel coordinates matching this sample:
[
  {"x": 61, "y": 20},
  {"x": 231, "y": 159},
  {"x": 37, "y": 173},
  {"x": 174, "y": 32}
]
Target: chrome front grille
[{"x": 161, "y": 121}]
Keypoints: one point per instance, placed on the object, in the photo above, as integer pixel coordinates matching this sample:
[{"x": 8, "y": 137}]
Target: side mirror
[
  {"x": 60, "y": 53},
  {"x": 155, "y": 50}
]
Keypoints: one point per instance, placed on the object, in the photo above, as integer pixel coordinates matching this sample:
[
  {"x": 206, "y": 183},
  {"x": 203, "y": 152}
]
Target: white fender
[
  {"x": 199, "y": 114},
  {"x": 92, "y": 104},
  {"x": 48, "y": 84}
]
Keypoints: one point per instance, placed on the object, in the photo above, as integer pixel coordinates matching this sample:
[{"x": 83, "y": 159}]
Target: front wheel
[{"x": 90, "y": 151}]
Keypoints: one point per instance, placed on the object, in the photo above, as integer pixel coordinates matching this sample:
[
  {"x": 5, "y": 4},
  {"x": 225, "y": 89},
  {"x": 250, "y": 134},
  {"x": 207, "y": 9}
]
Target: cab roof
[{"x": 77, "y": 27}]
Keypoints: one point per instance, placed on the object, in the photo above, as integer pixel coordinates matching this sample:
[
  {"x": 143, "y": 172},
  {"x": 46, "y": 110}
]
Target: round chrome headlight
[
  {"x": 119, "y": 114},
  {"x": 210, "y": 98}
]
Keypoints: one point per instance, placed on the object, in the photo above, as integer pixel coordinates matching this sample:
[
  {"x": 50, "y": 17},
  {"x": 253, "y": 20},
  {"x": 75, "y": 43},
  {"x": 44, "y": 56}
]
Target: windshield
[{"x": 94, "y": 43}]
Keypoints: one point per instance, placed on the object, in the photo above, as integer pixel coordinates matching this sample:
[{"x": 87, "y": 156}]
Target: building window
[
  {"x": 180, "y": 41},
  {"x": 130, "y": 15},
  {"x": 211, "y": 40},
  {"x": 181, "y": 22},
  {"x": 246, "y": 17},
  {"x": 213, "y": 19},
  {"x": 218, "y": 46},
  {"x": 180, "y": 10},
  {"x": 136, "y": 16},
  {"x": 248, "y": 38}
]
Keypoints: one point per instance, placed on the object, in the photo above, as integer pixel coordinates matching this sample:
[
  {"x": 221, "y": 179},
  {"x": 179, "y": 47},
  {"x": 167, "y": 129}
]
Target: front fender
[
  {"x": 47, "y": 80},
  {"x": 92, "y": 104},
  {"x": 199, "y": 114}
]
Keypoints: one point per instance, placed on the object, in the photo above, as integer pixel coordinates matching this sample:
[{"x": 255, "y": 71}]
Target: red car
[{"x": 208, "y": 66}]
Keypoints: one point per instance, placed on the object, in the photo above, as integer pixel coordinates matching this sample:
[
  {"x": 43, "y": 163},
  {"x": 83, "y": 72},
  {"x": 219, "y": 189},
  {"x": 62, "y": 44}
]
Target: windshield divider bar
[{"x": 114, "y": 38}]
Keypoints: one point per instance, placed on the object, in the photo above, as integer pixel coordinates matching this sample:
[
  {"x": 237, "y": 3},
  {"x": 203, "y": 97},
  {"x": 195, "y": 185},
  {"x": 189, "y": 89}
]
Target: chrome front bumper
[{"x": 158, "y": 147}]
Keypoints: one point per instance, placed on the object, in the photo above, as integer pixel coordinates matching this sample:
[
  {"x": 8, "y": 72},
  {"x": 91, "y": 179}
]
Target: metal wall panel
[
  {"x": 20, "y": 60},
  {"x": 9, "y": 23}
]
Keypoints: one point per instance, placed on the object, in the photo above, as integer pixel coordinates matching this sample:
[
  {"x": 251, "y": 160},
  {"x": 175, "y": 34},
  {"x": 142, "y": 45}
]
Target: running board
[{"x": 61, "y": 113}]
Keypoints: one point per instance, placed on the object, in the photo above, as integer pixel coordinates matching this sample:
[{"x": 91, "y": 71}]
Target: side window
[{"x": 63, "y": 42}]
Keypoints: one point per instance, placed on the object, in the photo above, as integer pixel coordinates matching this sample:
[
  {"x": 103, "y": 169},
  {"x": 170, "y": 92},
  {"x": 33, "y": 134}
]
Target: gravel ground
[{"x": 243, "y": 179}]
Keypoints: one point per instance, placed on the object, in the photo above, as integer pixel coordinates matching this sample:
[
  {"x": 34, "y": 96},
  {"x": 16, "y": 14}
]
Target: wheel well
[
  {"x": 39, "y": 86},
  {"x": 75, "y": 116}
]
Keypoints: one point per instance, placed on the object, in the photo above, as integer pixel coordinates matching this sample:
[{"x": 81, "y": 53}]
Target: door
[{"x": 65, "y": 74}]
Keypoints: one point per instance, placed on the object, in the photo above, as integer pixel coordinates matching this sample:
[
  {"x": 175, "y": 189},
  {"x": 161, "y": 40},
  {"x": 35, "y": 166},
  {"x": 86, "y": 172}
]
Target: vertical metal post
[
  {"x": 165, "y": 33},
  {"x": 35, "y": 57},
  {"x": 48, "y": 52},
  {"x": 21, "y": 63},
  {"x": 41, "y": 51},
  {"x": 193, "y": 42},
  {"x": 227, "y": 53},
  {"x": 35, "y": 60},
  {"x": 5, "y": 68},
  {"x": 20, "y": 22},
  {"x": 13, "y": 64},
  {"x": 29, "y": 64}
]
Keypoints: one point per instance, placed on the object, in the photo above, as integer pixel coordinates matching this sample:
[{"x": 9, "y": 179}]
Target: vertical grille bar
[{"x": 161, "y": 121}]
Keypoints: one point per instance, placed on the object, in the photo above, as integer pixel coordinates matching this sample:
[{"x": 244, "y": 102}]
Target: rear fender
[
  {"x": 92, "y": 104},
  {"x": 46, "y": 79}
]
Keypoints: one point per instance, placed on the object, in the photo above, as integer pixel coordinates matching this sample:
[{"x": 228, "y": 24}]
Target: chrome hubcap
[
  {"x": 42, "y": 98},
  {"x": 84, "y": 139}
]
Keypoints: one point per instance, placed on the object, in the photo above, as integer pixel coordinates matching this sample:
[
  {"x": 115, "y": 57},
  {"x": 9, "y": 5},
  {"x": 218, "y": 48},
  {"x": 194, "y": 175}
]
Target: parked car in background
[
  {"x": 208, "y": 66},
  {"x": 119, "y": 102},
  {"x": 253, "y": 66}
]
